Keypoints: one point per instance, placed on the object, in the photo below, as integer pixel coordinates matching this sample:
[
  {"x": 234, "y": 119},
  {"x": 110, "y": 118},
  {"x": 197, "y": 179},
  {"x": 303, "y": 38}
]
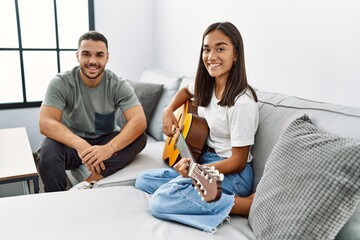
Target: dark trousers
[{"x": 54, "y": 158}]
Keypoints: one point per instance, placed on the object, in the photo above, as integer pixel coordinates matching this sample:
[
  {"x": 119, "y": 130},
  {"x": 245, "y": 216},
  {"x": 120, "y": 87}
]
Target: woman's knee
[
  {"x": 140, "y": 182},
  {"x": 150, "y": 180},
  {"x": 158, "y": 204},
  {"x": 146, "y": 181}
]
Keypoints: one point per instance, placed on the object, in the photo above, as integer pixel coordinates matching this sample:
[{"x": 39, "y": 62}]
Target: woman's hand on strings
[{"x": 182, "y": 167}]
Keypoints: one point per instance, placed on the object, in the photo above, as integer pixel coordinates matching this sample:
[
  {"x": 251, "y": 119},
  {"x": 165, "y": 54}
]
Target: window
[{"x": 39, "y": 38}]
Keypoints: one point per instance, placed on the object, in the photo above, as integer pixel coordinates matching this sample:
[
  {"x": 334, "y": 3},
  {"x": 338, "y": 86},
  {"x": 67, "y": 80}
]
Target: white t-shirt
[{"x": 230, "y": 126}]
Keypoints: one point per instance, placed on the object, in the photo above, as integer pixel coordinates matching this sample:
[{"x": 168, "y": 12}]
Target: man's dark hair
[{"x": 93, "y": 35}]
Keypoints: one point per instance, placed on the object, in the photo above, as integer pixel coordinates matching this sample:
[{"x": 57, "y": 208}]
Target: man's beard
[{"x": 83, "y": 70}]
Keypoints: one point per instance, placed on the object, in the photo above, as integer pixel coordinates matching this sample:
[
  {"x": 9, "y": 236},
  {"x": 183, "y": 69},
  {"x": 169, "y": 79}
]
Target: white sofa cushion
[
  {"x": 185, "y": 81},
  {"x": 171, "y": 86}
]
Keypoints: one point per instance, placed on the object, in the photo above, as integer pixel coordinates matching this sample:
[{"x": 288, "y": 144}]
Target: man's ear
[{"x": 107, "y": 57}]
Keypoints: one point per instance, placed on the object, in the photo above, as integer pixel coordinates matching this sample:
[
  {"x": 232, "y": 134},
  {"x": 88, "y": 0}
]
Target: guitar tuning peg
[
  {"x": 203, "y": 198},
  {"x": 205, "y": 192},
  {"x": 199, "y": 193},
  {"x": 212, "y": 168},
  {"x": 221, "y": 177},
  {"x": 217, "y": 172}
]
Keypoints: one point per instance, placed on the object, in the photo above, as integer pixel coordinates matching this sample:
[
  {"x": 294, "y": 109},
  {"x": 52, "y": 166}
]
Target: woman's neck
[{"x": 219, "y": 87}]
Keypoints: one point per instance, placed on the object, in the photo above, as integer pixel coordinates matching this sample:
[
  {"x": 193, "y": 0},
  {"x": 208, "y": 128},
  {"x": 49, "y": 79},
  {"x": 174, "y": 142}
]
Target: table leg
[{"x": 36, "y": 184}]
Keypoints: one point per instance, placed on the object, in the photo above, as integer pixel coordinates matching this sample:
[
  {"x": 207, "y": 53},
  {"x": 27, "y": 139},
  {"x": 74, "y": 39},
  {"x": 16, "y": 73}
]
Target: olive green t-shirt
[{"x": 90, "y": 112}]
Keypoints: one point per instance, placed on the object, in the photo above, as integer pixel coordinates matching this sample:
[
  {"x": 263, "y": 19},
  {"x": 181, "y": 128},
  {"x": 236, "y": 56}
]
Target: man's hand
[{"x": 94, "y": 157}]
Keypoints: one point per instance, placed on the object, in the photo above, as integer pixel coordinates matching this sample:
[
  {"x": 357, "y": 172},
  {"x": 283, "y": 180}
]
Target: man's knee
[
  {"x": 45, "y": 149},
  {"x": 125, "y": 156},
  {"x": 49, "y": 153},
  {"x": 142, "y": 140}
]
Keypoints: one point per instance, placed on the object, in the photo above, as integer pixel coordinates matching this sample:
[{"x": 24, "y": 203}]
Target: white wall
[
  {"x": 26, "y": 117},
  {"x": 129, "y": 28},
  {"x": 308, "y": 48}
]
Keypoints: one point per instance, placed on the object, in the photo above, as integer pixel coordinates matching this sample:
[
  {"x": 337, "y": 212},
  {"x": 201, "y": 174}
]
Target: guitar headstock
[{"x": 207, "y": 180}]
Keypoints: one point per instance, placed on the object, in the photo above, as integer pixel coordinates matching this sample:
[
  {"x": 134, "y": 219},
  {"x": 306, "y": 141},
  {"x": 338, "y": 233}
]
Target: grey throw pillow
[
  {"x": 149, "y": 95},
  {"x": 310, "y": 186}
]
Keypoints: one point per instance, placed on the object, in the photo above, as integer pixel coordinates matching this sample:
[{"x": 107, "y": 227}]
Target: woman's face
[{"x": 218, "y": 54}]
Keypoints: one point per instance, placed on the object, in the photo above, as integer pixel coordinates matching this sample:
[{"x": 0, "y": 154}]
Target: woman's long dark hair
[{"x": 237, "y": 81}]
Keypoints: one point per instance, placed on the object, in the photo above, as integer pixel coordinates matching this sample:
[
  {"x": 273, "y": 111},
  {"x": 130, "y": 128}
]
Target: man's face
[{"x": 92, "y": 57}]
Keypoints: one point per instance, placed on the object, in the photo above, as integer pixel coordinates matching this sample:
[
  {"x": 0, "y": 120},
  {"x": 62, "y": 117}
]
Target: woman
[{"x": 228, "y": 103}]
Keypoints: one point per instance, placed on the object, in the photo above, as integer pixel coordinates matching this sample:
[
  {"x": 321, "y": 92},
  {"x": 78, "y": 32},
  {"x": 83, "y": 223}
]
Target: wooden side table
[{"x": 16, "y": 159}]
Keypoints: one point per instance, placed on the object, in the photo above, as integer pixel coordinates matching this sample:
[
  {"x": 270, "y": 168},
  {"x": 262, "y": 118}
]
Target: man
[{"x": 78, "y": 118}]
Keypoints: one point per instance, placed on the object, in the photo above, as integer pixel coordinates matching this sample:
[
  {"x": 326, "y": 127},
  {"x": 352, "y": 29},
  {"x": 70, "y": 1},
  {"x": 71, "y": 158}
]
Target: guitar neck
[
  {"x": 207, "y": 180},
  {"x": 185, "y": 152},
  {"x": 183, "y": 148}
]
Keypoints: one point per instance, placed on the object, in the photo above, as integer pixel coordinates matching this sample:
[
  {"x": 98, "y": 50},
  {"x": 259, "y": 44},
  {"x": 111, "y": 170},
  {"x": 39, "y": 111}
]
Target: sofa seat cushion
[
  {"x": 150, "y": 157},
  {"x": 102, "y": 213}
]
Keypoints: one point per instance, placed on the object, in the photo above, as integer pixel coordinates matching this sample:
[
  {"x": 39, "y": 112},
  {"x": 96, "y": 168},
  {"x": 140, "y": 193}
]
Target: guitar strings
[{"x": 185, "y": 152}]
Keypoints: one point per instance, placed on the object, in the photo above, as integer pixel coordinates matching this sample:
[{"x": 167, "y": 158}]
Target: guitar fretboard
[
  {"x": 185, "y": 152},
  {"x": 183, "y": 148}
]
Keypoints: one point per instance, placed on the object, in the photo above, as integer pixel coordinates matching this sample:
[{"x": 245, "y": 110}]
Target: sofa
[{"x": 306, "y": 180}]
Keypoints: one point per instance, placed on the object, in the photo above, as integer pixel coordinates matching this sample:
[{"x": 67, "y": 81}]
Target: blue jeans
[{"x": 175, "y": 199}]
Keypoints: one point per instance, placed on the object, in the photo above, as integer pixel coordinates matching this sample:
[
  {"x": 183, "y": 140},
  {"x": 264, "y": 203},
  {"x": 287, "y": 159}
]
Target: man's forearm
[{"x": 59, "y": 132}]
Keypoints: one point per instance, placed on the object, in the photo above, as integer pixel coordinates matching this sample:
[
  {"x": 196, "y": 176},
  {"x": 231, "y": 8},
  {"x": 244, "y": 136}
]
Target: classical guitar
[
  {"x": 207, "y": 180},
  {"x": 194, "y": 130}
]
